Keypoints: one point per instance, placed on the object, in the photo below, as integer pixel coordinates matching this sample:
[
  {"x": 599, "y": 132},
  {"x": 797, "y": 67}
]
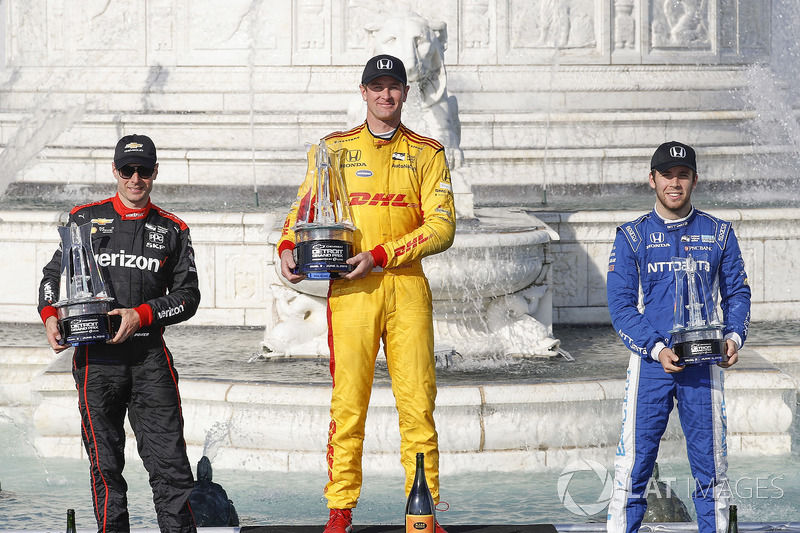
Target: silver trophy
[
  {"x": 324, "y": 227},
  {"x": 697, "y": 333},
  {"x": 83, "y": 315}
]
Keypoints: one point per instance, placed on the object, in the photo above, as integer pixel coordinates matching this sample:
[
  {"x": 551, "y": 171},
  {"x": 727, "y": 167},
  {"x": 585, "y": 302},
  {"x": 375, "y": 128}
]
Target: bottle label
[{"x": 419, "y": 523}]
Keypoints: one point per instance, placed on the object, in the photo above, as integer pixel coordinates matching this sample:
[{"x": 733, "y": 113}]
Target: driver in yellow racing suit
[{"x": 402, "y": 205}]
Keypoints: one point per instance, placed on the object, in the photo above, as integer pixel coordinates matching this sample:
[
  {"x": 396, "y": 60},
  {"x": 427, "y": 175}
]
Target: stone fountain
[{"x": 552, "y": 96}]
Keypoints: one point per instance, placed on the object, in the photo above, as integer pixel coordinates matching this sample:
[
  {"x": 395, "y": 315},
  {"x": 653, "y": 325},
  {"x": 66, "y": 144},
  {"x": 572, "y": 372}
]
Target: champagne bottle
[
  {"x": 419, "y": 507},
  {"x": 733, "y": 521},
  {"x": 71, "y": 521}
]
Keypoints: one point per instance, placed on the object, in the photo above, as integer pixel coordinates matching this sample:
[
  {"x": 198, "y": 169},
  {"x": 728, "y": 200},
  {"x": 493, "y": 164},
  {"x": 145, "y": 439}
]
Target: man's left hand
[
  {"x": 130, "y": 325},
  {"x": 732, "y": 352},
  {"x": 364, "y": 263}
]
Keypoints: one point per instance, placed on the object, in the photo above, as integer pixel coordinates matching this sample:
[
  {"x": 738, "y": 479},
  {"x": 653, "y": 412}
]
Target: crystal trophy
[
  {"x": 83, "y": 315},
  {"x": 697, "y": 333},
  {"x": 324, "y": 227}
]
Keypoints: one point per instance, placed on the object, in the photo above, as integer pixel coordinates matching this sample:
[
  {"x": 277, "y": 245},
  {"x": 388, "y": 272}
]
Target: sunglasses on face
[{"x": 128, "y": 171}]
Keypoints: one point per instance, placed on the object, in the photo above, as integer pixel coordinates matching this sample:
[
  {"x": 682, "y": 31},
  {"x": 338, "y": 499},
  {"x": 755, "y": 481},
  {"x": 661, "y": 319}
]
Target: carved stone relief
[
  {"x": 552, "y": 23},
  {"x": 624, "y": 24},
  {"x": 311, "y": 31},
  {"x": 314, "y": 32},
  {"x": 476, "y": 32},
  {"x": 680, "y": 24},
  {"x": 243, "y": 277}
]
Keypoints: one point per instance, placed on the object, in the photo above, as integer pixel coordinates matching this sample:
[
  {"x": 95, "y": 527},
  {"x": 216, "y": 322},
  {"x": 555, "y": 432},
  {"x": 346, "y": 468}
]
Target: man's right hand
[
  {"x": 53, "y": 335},
  {"x": 669, "y": 360},
  {"x": 287, "y": 267}
]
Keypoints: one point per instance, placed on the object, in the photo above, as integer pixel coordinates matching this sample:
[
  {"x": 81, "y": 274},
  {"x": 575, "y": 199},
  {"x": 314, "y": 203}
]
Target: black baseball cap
[
  {"x": 673, "y": 154},
  {"x": 384, "y": 65},
  {"x": 135, "y": 149}
]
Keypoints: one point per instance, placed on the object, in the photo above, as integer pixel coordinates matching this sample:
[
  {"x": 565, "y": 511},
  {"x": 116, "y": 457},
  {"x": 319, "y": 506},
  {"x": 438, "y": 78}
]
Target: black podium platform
[{"x": 533, "y": 528}]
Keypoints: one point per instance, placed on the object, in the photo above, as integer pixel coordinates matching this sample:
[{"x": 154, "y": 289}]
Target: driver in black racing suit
[{"x": 146, "y": 258}]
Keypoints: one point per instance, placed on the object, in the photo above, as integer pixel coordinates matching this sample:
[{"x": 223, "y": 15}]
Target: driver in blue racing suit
[{"x": 642, "y": 258}]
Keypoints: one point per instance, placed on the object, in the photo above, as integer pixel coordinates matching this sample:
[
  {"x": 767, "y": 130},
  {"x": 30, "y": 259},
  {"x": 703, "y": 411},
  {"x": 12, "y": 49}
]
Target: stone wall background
[{"x": 551, "y": 93}]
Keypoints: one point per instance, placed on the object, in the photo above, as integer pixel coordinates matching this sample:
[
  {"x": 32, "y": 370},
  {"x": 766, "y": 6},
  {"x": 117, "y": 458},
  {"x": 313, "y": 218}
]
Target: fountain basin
[{"x": 509, "y": 426}]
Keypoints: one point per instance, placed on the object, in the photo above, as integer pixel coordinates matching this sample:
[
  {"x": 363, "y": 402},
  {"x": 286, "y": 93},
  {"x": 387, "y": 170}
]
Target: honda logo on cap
[
  {"x": 385, "y": 64},
  {"x": 678, "y": 152}
]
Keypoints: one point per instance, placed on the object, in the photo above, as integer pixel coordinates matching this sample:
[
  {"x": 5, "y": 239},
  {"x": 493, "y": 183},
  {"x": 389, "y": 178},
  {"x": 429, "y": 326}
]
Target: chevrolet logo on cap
[{"x": 133, "y": 146}]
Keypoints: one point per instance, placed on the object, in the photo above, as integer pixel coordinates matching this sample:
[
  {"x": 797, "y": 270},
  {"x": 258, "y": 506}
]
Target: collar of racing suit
[
  {"x": 131, "y": 214},
  {"x": 671, "y": 224}
]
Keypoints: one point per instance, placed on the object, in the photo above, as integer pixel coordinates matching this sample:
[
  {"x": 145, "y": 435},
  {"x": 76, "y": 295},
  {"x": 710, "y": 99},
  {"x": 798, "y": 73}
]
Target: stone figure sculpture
[
  {"x": 512, "y": 326},
  {"x": 429, "y": 110},
  {"x": 210, "y": 504},
  {"x": 420, "y": 44},
  {"x": 663, "y": 505},
  {"x": 300, "y": 327}
]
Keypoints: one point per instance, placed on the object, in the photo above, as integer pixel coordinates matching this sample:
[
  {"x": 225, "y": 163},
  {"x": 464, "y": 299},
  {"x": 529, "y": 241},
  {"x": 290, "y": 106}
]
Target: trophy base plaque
[
  {"x": 322, "y": 252},
  {"x": 86, "y": 321},
  {"x": 699, "y": 346},
  {"x": 88, "y": 329}
]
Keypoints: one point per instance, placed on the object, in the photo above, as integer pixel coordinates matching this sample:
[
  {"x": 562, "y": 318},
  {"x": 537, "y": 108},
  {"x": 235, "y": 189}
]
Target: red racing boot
[{"x": 340, "y": 521}]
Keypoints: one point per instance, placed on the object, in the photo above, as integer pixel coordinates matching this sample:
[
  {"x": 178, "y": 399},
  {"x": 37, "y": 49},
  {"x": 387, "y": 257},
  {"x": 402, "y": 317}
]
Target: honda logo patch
[
  {"x": 678, "y": 152},
  {"x": 385, "y": 64}
]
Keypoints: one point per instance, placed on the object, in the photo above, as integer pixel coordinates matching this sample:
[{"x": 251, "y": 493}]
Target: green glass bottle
[
  {"x": 733, "y": 521},
  {"x": 419, "y": 506},
  {"x": 71, "y": 521}
]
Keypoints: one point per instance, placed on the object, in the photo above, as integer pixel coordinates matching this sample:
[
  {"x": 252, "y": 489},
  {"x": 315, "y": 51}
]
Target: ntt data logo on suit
[{"x": 585, "y": 487}]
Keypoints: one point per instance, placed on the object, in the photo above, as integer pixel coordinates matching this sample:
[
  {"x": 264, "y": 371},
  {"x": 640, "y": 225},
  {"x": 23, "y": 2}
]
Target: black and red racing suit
[{"x": 147, "y": 262}]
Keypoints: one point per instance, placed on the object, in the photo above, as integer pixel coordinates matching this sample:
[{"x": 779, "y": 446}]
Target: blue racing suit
[{"x": 642, "y": 260}]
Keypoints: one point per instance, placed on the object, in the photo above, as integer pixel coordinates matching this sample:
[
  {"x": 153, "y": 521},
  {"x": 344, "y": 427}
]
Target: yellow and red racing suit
[{"x": 402, "y": 204}]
